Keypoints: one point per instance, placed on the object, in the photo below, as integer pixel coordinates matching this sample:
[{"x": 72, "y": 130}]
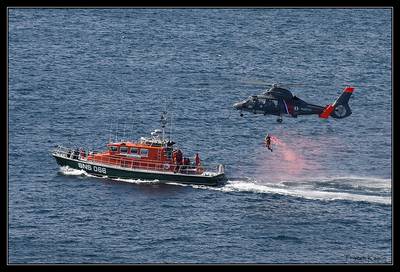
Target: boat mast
[
  {"x": 163, "y": 122},
  {"x": 109, "y": 139}
]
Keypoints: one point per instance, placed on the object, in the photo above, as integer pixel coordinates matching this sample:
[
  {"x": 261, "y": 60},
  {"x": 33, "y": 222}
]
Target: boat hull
[{"x": 124, "y": 173}]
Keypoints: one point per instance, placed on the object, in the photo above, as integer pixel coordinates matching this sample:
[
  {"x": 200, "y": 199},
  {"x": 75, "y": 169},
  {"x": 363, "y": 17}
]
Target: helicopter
[{"x": 279, "y": 101}]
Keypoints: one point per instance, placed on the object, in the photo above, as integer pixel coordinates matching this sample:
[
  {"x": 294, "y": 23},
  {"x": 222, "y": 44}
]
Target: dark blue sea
[{"x": 78, "y": 76}]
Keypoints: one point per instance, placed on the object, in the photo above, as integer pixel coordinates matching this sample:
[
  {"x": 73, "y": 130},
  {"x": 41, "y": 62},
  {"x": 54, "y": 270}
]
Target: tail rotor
[{"x": 340, "y": 108}]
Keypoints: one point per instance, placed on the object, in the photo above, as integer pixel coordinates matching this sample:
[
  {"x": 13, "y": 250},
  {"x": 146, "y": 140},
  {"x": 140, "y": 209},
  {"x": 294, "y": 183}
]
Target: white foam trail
[
  {"x": 65, "y": 170},
  {"x": 137, "y": 181},
  {"x": 305, "y": 193},
  {"x": 303, "y": 190},
  {"x": 368, "y": 182},
  {"x": 281, "y": 189},
  {"x": 179, "y": 184}
]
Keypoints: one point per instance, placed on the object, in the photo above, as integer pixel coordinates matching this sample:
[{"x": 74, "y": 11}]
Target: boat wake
[
  {"x": 373, "y": 190},
  {"x": 350, "y": 188},
  {"x": 137, "y": 181}
]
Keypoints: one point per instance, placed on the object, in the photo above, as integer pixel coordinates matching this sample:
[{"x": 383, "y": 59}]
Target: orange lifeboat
[{"x": 151, "y": 157}]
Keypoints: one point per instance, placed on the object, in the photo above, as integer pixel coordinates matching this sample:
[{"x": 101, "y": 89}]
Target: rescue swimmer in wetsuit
[{"x": 268, "y": 142}]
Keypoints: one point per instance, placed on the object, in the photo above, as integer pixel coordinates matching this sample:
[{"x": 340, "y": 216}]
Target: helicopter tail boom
[{"x": 340, "y": 108}]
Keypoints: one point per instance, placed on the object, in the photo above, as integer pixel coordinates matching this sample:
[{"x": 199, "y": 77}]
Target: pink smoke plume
[{"x": 290, "y": 160}]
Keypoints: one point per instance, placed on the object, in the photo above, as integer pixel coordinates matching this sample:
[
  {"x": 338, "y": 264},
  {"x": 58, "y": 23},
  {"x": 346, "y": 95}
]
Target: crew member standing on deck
[
  {"x": 82, "y": 153},
  {"x": 199, "y": 169},
  {"x": 178, "y": 159},
  {"x": 174, "y": 160},
  {"x": 197, "y": 159},
  {"x": 174, "y": 156}
]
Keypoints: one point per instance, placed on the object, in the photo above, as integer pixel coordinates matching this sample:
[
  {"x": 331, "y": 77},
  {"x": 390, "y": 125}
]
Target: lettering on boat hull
[{"x": 94, "y": 168}]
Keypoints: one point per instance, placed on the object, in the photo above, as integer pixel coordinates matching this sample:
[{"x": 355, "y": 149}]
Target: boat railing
[{"x": 134, "y": 163}]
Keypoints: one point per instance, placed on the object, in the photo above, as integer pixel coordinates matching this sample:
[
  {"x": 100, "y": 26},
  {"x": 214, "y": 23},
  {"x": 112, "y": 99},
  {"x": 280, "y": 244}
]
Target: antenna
[
  {"x": 123, "y": 135},
  {"x": 171, "y": 129},
  {"x": 133, "y": 127},
  {"x": 163, "y": 123},
  {"x": 109, "y": 138},
  {"x": 116, "y": 134},
  {"x": 170, "y": 135}
]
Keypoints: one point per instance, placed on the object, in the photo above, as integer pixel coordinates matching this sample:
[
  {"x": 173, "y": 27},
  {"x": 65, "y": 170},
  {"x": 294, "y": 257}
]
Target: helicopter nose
[{"x": 238, "y": 105}]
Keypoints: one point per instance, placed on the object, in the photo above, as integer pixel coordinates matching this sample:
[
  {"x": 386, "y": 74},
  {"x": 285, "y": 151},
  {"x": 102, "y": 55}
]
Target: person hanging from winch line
[{"x": 268, "y": 142}]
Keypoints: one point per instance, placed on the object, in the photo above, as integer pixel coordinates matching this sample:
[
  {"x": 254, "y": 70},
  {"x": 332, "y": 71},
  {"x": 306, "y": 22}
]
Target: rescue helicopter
[{"x": 279, "y": 101}]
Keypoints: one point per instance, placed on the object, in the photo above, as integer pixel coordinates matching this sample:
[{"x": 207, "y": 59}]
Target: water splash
[{"x": 67, "y": 171}]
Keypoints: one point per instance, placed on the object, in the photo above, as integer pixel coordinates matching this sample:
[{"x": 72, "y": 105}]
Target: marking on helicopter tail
[
  {"x": 327, "y": 111},
  {"x": 349, "y": 89},
  {"x": 284, "y": 102}
]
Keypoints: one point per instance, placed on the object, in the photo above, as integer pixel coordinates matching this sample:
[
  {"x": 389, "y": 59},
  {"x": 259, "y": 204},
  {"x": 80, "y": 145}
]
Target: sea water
[{"x": 78, "y": 77}]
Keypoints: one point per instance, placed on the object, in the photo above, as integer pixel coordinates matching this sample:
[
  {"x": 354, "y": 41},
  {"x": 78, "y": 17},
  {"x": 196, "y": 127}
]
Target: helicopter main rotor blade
[
  {"x": 269, "y": 83},
  {"x": 256, "y": 82},
  {"x": 278, "y": 84}
]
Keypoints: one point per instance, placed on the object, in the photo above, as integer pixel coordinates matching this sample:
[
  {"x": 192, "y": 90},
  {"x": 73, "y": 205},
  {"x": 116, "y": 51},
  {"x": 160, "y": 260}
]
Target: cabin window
[
  {"x": 169, "y": 153},
  {"x": 123, "y": 149},
  {"x": 113, "y": 148},
  {"x": 134, "y": 150},
  {"x": 144, "y": 152}
]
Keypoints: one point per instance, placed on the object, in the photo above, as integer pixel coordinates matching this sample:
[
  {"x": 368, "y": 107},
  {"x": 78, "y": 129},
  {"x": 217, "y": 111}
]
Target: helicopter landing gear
[{"x": 279, "y": 120}]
